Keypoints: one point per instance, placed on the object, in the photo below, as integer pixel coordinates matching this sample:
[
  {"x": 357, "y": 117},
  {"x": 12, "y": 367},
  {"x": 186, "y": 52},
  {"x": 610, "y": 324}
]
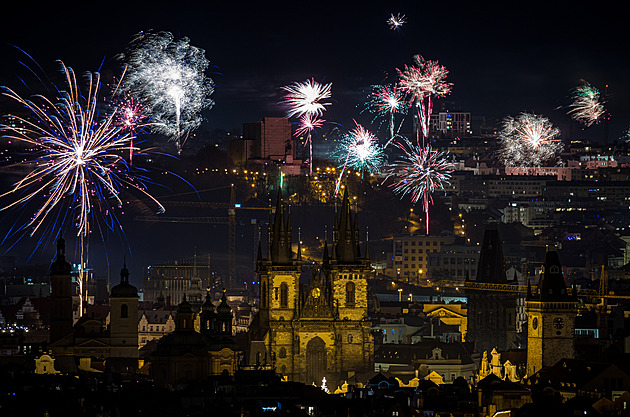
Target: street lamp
[{"x": 399, "y": 295}]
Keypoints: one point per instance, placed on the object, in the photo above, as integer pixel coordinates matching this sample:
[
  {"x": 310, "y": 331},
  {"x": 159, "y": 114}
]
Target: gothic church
[{"x": 319, "y": 330}]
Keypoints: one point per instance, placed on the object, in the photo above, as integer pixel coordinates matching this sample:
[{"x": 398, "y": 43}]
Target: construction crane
[{"x": 230, "y": 220}]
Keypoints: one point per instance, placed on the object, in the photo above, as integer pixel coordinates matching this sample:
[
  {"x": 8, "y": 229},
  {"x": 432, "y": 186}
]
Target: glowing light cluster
[
  {"x": 168, "y": 76},
  {"x": 528, "y": 140},
  {"x": 397, "y": 21},
  {"x": 422, "y": 81},
  {"x": 586, "y": 107},
  {"x": 420, "y": 172}
]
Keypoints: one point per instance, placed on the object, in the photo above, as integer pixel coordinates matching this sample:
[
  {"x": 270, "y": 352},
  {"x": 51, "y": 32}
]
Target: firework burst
[
  {"x": 168, "y": 76},
  {"x": 386, "y": 101},
  {"x": 420, "y": 172},
  {"x": 359, "y": 149},
  {"x": 395, "y": 22},
  {"x": 528, "y": 140},
  {"x": 307, "y": 98},
  {"x": 586, "y": 107},
  {"x": 76, "y": 171},
  {"x": 420, "y": 82}
]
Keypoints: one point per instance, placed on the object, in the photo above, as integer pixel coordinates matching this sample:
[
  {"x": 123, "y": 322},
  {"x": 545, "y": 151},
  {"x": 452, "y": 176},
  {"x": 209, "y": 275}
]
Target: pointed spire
[
  {"x": 529, "y": 289},
  {"x": 325, "y": 257},
  {"x": 124, "y": 272},
  {"x": 259, "y": 257}
]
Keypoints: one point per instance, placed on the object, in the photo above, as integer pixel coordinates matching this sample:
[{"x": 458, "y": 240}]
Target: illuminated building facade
[{"x": 320, "y": 330}]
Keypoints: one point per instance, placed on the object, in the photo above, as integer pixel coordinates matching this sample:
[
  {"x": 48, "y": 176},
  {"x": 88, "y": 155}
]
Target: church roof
[
  {"x": 551, "y": 286},
  {"x": 491, "y": 267}
]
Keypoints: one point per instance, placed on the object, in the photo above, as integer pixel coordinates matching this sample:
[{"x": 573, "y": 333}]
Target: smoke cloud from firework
[
  {"x": 528, "y": 140},
  {"x": 586, "y": 107},
  {"x": 168, "y": 77}
]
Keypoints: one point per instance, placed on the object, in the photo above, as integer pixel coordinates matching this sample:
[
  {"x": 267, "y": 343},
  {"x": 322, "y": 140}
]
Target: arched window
[
  {"x": 263, "y": 295},
  {"x": 124, "y": 311},
  {"x": 349, "y": 338},
  {"x": 350, "y": 294},
  {"x": 282, "y": 353},
  {"x": 284, "y": 295}
]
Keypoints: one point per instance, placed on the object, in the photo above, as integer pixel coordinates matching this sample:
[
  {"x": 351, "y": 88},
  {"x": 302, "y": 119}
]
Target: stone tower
[
  {"x": 492, "y": 314},
  {"x": 123, "y": 321},
  {"x": 61, "y": 297},
  {"x": 551, "y": 313}
]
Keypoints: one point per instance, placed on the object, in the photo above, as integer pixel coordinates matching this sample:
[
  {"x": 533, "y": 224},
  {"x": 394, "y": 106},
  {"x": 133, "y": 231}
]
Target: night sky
[{"x": 503, "y": 57}]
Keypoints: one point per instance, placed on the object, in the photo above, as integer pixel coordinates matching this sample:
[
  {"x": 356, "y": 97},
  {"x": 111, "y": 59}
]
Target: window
[
  {"x": 349, "y": 338},
  {"x": 284, "y": 295},
  {"x": 282, "y": 353},
  {"x": 350, "y": 294},
  {"x": 124, "y": 311}
]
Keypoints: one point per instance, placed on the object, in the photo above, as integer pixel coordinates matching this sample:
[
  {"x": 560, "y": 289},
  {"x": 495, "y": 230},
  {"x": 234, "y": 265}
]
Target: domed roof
[
  {"x": 124, "y": 289},
  {"x": 184, "y": 306},
  {"x": 207, "y": 307}
]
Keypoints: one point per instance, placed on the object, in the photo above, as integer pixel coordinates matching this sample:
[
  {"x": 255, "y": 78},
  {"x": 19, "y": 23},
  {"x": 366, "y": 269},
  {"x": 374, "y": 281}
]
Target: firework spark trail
[
  {"x": 308, "y": 123},
  {"x": 586, "y": 106},
  {"x": 421, "y": 171},
  {"x": 359, "y": 149},
  {"x": 395, "y": 22},
  {"x": 168, "y": 76},
  {"x": 386, "y": 100},
  {"x": 76, "y": 166},
  {"x": 307, "y": 99},
  {"x": 528, "y": 140},
  {"x": 420, "y": 83}
]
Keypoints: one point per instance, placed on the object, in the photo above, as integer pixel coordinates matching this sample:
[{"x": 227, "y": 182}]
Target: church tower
[
  {"x": 551, "y": 313},
  {"x": 280, "y": 271},
  {"x": 492, "y": 314},
  {"x": 123, "y": 321},
  {"x": 61, "y": 297}
]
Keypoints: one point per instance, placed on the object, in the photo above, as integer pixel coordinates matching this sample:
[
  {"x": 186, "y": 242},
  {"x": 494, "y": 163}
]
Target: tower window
[
  {"x": 282, "y": 353},
  {"x": 284, "y": 295},
  {"x": 350, "y": 294},
  {"x": 124, "y": 311}
]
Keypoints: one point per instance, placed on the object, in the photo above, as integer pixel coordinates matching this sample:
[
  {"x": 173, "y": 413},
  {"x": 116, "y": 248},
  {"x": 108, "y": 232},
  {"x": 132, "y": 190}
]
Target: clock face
[
  {"x": 316, "y": 292},
  {"x": 558, "y": 323},
  {"x": 535, "y": 323}
]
